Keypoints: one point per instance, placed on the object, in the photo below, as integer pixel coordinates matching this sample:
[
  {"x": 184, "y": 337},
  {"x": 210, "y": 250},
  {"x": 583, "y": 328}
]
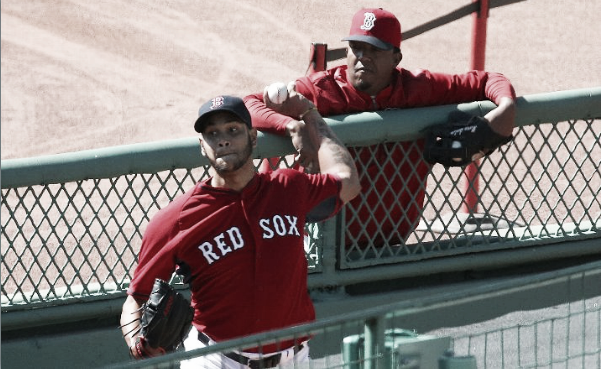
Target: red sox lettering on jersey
[{"x": 232, "y": 240}]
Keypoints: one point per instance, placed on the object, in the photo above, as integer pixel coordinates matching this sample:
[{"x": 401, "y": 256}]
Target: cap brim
[
  {"x": 198, "y": 125},
  {"x": 370, "y": 40}
]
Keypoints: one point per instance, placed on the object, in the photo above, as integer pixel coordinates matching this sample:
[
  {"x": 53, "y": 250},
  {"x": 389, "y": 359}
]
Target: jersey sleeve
[
  {"x": 323, "y": 196},
  {"x": 263, "y": 118},
  {"x": 498, "y": 86},
  {"x": 440, "y": 88},
  {"x": 268, "y": 120},
  {"x": 156, "y": 258}
]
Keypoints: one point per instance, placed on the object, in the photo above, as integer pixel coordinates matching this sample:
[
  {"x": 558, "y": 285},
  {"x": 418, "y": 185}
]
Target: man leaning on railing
[{"x": 371, "y": 80}]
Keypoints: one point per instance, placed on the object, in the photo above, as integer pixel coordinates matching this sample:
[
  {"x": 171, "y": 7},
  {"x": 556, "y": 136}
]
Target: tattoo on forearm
[{"x": 338, "y": 151}]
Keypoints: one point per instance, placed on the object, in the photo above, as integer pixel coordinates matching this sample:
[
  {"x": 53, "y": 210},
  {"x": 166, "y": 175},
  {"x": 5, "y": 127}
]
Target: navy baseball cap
[
  {"x": 377, "y": 27},
  {"x": 231, "y": 104}
]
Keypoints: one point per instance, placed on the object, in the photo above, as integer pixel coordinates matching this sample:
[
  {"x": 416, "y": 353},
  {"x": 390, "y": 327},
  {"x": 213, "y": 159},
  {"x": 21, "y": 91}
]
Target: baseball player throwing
[{"x": 237, "y": 237}]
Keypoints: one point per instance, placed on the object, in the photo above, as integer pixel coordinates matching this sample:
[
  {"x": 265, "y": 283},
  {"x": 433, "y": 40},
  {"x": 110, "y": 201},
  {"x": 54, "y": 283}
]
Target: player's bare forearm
[
  {"x": 311, "y": 133},
  {"x": 306, "y": 152},
  {"x": 333, "y": 156},
  {"x": 130, "y": 320},
  {"x": 502, "y": 118}
]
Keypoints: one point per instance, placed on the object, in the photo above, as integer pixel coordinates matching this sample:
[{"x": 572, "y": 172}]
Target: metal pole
[
  {"x": 318, "y": 57},
  {"x": 374, "y": 343},
  {"x": 471, "y": 184}
]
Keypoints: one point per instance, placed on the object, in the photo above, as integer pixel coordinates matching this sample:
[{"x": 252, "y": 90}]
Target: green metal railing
[
  {"x": 567, "y": 335},
  {"x": 72, "y": 223}
]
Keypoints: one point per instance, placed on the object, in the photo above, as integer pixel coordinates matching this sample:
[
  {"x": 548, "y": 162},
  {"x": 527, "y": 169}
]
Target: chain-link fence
[
  {"x": 564, "y": 336},
  {"x": 544, "y": 185},
  {"x": 79, "y": 238}
]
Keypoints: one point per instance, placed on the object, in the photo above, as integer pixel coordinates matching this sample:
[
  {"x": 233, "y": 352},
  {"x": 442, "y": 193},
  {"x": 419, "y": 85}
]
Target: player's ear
[
  {"x": 398, "y": 56},
  {"x": 202, "y": 149}
]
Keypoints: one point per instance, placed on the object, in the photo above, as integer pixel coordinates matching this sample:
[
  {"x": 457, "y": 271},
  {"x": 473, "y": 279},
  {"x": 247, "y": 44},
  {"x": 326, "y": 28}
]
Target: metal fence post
[
  {"x": 374, "y": 343},
  {"x": 477, "y": 58},
  {"x": 317, "y": 59}
]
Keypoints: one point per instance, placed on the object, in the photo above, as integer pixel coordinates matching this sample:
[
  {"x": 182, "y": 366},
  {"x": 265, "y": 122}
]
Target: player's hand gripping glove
[
  {"x": 165, "y": 322},
  {"x": 463, "y": 139}
]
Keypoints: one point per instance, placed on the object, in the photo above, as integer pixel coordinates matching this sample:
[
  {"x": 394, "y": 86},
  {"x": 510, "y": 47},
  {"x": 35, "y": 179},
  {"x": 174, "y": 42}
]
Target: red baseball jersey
[
  {"x": 242, "y": 252},
  {"x": 397, "y": 202}
]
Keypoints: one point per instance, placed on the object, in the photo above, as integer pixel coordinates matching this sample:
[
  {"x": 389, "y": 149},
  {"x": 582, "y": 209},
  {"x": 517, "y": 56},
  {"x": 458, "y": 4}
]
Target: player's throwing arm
[{"x": 310, "y": 128}]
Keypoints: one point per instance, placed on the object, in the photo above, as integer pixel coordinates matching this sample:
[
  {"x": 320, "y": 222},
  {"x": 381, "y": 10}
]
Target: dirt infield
[{"x": 78, "y": 75}]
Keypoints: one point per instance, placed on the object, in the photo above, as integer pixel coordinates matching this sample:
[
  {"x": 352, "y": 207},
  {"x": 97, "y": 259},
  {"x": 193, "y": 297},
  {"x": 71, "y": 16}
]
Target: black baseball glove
[
  {"x": 457, "y": 142},
  {"x": 165, "y": 322}
]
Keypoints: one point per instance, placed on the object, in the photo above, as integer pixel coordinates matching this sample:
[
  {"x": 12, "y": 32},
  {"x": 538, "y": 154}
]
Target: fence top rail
[{"x": 152, "y": 157}]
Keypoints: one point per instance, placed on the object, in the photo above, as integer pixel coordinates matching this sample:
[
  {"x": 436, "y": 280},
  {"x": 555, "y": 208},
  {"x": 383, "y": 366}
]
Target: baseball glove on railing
[
  {"x": 461, "y": 140},
  {"x": 165, "y": 322}
]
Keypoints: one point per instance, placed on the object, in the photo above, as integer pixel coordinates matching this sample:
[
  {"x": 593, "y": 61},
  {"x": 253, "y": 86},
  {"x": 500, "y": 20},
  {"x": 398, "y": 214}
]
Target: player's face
[
  {"x": 227, "y": 142},
  {"x": 370, "y": 68}
]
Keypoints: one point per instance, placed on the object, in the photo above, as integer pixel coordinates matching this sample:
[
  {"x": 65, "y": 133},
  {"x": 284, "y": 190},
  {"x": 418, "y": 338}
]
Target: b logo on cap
[
  {"x": 368, "y": 22},
  {"x": 217, "y": 102}
]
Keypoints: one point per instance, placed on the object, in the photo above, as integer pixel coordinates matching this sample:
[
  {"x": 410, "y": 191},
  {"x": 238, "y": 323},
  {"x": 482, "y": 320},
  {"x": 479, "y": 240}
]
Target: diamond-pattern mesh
[
  {"x": 545, "y": 184},
  {"x": 80, "y": 239},
  {"x": 83, "y": 234}
]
